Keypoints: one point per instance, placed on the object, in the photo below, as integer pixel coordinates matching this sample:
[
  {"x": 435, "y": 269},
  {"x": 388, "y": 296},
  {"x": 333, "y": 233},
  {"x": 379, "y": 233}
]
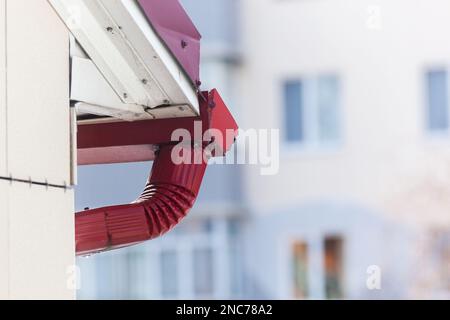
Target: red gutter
[
  {"x": 139, "y": 137},
  {"x": 172, "y": 188}
]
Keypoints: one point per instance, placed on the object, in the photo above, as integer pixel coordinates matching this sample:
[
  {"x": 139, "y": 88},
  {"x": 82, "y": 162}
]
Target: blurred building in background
[{"x": 361, "y": 205}]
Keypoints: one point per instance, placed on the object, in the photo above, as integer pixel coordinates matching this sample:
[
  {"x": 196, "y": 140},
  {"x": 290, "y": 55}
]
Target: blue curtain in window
[
  {"x": 293, "y": 105},
  {"x": 437, "y": 100}
]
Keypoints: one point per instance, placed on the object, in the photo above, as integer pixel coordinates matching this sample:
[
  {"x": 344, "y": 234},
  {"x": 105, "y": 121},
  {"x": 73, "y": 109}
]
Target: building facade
[
  {"x": 359, "y": 208},
  {"x": 36, "y": 160}
]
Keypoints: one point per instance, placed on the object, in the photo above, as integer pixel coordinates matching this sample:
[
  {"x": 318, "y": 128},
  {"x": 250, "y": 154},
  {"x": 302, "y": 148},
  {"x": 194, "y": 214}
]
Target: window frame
[{"x": 311, "y": 115}]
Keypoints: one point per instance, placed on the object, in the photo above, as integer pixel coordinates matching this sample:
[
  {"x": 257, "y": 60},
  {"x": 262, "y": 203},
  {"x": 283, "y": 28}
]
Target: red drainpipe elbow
[{"x": 169, "y": 195}]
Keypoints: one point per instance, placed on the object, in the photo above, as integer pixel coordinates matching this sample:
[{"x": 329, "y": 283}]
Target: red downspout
[
  {"x": 170, "y": 192},
  {"x": 169, "y": 195}
]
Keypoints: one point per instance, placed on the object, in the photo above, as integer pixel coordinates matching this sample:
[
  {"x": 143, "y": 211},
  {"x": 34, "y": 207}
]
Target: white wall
[
  {"x": 3, "y": 169},
  {"x": 386, "y": 160},
  {"x": 36, "y": 222},
  {"x": 368, "y": 240},
  {"x": 387, "y": 164}
]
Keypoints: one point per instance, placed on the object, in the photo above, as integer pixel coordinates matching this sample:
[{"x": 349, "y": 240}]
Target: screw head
[{"x": 211, "y": 104}]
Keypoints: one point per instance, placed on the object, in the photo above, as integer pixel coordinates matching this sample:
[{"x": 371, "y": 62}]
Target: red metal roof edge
[{"x": 176, "y": 29}]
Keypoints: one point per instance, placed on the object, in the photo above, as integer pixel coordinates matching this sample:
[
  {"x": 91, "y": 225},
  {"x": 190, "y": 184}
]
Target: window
[
  {"x": 112, "y": 276},
  {"x": 327, "y": 103},
  {"x": 333, "y": 268},
  {"x": 169, "y": 274},
  {"x": 203, "y": 272},
  {"x": 311, "y": 108},
  {"x": 294, "y": 111},
  {"x": 300, "y": 270},
  {"x": 440, "y": 254},
  {"x": 437, "y": 95},
  {"x": 137, "y": 274}
]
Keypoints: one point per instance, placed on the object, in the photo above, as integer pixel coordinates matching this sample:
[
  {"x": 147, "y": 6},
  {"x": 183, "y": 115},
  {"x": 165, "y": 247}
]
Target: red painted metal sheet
[
  {"x": 155, "y": 132},
  {"x": 174, "y": 26},
  {"x": 221, "y": 120},
  {"x": 120, "y": 154}
]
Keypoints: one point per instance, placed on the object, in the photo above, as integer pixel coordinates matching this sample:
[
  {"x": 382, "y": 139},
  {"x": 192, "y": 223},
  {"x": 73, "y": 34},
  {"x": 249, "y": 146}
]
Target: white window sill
[
  {"x": 300, "y": 149},
  {"x": 437, "y": 136},
  {"x": 437, "y": 139}
]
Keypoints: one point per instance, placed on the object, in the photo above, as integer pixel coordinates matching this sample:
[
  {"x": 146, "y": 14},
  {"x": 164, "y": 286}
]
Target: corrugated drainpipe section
[{"x": 168, "y": 196}]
